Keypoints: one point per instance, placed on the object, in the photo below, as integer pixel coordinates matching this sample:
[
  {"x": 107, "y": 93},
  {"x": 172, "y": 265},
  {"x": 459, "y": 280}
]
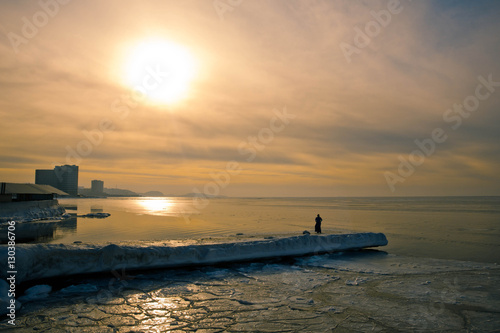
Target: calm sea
[
  {"x": 464, "y": 228},
  {"x": 399, "y": 288}
]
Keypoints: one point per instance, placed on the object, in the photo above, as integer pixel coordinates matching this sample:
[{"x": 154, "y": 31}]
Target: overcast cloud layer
[{"x": 354, "y": 115}]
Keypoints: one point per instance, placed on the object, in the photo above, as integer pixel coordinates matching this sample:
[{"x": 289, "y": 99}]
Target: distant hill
[
  {"x": 108, "y": 192},
  {"x": 194, "y": 195},
  {"x": 87, "y": 192},
  {"x": 153, "y": 194},
  {"x": 118, "y": 192}
]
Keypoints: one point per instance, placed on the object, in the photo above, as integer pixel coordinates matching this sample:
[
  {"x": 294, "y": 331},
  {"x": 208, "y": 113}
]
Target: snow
[
  {"x": 355, "y": 282},
  {"x": 39, "y": 289},
  {"x": 81, "y": 288},
  {"x": 35, "y": 293},
  {"x": 37, "y": 261},
  {"x": 32, "y": 211}
]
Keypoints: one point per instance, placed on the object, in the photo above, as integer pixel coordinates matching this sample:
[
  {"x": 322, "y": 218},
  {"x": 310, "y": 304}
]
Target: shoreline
[{"x": 31, "y": 211}]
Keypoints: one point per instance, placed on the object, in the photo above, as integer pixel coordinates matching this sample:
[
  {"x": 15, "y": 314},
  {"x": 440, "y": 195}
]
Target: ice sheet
[
  {"x": 381, "y": 263},
  {"x": 306, "y": 294},
  {"x": 36, "y": 261}
]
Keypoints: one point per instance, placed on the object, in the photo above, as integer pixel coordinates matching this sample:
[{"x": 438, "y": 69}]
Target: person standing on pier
[{"x": 317, "y": 227}]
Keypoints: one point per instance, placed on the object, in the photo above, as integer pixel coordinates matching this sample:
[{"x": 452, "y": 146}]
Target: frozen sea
[{"x": 439, "y": 271}]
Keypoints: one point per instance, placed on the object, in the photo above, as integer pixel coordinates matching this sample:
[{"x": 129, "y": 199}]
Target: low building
[
  {"x": 14, "y": 192},
  {"x": 29, "y": 202}
]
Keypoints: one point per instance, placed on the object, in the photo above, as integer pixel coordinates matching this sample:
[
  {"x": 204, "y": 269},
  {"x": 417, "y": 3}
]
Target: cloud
[{"x": 352, "y": 121}]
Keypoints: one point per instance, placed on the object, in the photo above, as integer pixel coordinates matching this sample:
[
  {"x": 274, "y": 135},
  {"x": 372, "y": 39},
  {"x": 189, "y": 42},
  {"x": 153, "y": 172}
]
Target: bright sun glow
[
  {"x": 160, "y": 70},
  {"x": 155, "y": 206}
]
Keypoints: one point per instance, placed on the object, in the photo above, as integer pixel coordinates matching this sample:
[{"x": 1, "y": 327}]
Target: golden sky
[{"x": 304, "y": 98}]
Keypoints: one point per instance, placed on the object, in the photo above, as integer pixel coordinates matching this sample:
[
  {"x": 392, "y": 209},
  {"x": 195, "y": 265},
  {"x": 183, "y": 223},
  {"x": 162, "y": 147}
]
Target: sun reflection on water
[{"x": 160, "y": 206}]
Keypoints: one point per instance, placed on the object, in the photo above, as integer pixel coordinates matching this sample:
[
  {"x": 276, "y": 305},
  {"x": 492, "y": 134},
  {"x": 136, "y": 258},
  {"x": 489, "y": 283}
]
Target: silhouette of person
[{"x": 317, "y": 227}]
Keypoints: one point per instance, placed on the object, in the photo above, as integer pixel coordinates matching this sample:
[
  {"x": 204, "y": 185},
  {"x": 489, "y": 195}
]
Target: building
[
  {"x": 46, "y": 177},
  {"x": 28, "y": 202},
  {"x": 97, "y": 187},
  {"x": 64, "y": 178},
  {"x": 13, "y": 192}
]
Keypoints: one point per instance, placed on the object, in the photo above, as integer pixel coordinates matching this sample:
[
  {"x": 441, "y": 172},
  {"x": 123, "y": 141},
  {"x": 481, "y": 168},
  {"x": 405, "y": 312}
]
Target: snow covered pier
[{"x": 37, "y": 261}]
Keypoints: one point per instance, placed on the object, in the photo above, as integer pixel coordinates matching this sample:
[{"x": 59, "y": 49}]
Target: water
[
  {"x": 438, "y": 272},
  {"x": 463, "y": 228}
]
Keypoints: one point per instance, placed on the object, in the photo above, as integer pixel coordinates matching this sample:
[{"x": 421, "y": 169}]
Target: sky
[{"x": 283, "y": 98}]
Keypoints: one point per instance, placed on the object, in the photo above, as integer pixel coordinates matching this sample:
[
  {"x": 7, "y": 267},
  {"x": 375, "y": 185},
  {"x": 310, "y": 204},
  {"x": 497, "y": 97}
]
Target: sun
[{"x": 160, "y": 71}]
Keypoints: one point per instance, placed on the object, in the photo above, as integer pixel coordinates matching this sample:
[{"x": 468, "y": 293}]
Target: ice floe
[{"x": 37, "y": 261}]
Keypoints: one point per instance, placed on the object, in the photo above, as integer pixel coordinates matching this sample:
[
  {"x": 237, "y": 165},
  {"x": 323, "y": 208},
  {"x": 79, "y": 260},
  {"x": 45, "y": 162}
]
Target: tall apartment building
[
  {"x": 64, "y": 178},
  {"x": 97, "y": 187}
]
